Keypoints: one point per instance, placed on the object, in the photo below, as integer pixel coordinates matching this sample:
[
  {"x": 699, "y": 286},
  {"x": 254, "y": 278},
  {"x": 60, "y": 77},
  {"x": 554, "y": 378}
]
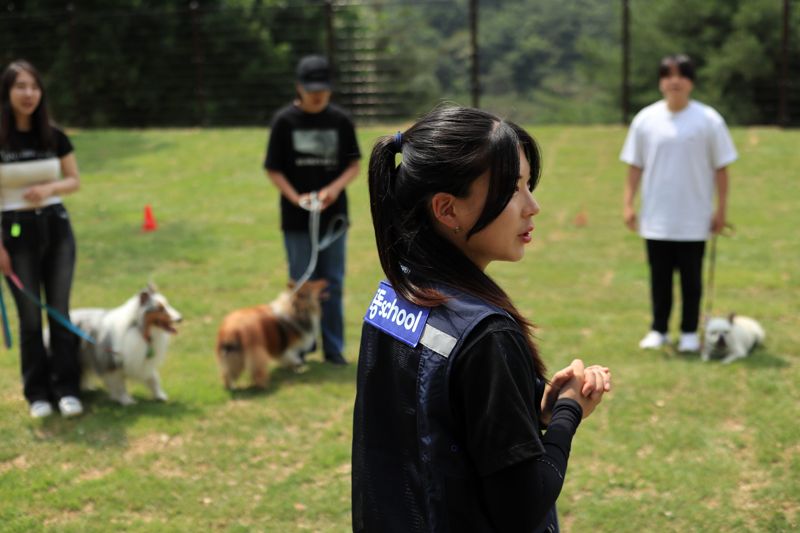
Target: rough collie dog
[
  {"x": 731, "y": 338},
  {"x": 132, "y": 342},
  {"x": 282, "y": 331}
]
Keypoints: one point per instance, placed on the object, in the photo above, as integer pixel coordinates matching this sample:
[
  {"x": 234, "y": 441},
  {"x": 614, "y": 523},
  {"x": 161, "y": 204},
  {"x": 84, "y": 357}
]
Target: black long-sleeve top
[{"x": 494, "y": 393}]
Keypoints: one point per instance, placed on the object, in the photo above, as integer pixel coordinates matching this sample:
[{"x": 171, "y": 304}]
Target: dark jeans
[
  {"x": 664, "y": 258},
  {"x": 330, "y": 266},
  {"x": 43, "y": 257}
]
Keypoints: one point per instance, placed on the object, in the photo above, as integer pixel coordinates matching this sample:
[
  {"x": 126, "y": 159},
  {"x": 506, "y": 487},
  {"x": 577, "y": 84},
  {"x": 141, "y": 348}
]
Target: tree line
[{"x": 225, "y": 62}]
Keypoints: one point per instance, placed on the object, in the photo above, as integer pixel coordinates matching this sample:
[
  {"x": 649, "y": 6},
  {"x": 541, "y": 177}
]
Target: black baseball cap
[{"x": 314, "y": 73}]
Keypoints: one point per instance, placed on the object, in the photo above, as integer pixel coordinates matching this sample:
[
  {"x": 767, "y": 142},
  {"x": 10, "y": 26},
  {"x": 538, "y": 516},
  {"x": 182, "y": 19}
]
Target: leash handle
[{"x": 61, "y": 319}]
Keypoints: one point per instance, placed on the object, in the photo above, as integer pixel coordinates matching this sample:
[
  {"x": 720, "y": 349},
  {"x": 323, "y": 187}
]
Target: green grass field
[{"x": 678, "y": 446}]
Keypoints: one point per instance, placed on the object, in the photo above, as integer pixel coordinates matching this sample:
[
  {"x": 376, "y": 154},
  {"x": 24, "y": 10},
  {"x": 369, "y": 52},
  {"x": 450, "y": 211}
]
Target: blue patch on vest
[{"x": 397, "y": 317}]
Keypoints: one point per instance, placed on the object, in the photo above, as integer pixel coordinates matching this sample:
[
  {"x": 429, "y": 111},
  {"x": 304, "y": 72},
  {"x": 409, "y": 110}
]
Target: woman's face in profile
[
  {"x": 505, "y": 237},
  {"x": 25, "y": 94}
]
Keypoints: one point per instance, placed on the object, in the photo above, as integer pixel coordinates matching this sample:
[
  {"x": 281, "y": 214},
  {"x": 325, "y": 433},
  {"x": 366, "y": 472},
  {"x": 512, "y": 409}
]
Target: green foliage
[
  {"x": 142, "y": 62},
  {"x": 677, "y": 446}
]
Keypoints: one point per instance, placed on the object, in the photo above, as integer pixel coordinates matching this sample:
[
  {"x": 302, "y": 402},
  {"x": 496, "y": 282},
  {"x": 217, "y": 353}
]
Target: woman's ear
[{"x": 443, "y": 210}]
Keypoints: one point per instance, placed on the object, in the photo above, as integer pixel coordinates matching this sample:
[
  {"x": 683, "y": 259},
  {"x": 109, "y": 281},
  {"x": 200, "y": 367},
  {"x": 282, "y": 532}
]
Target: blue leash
[
  {"x": 61, "y": 319},
  {"x": 6, "y": 328}
]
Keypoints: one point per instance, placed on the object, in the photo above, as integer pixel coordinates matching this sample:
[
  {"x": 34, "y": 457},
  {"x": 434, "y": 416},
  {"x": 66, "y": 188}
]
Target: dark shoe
[{"x": 335, "y": 359}]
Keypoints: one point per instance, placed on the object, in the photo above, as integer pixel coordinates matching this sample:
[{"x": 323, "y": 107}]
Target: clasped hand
[
  {"x": 584, "y": 384},
  {"x": 326, "y": 196},
  {"x": 38, "y": 193}
]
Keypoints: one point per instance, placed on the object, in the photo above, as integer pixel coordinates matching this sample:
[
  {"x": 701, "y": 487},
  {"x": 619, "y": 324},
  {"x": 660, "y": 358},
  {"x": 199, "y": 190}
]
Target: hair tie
[{"x": 398, "y": 142}]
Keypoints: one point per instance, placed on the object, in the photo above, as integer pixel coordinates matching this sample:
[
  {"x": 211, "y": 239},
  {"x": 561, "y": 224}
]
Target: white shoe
[
  {"x": 689, "y": 342},
  {"x": 653, "y": 340},
  {"x": 70, "y": 406},
  {"x": 41, "y": 409}
]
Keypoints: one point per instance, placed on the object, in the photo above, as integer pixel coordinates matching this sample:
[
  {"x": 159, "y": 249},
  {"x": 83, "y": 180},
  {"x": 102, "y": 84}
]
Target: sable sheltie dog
[
  {"x": 283, "y": 331},
  {"x": 132, "y": 342}
]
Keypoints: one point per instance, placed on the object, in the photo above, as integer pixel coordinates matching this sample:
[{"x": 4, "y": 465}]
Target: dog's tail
[
  {"x": 230, "y": 355},
  {"x": 229, "y": 345}
]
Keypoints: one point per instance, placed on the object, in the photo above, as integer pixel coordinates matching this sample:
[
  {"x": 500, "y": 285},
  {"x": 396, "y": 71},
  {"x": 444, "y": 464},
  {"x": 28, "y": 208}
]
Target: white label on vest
[{"x": 391, "y": 314}]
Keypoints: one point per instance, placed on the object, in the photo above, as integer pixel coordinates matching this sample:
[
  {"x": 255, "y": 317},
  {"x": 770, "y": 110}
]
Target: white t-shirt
[{"x": 679, "y": 154}]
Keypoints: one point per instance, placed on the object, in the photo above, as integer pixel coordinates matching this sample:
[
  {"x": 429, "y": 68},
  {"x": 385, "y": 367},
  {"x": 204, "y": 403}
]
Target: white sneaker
[
  {"x": 689, "y": 342},
  {"x": 653, "y": 340},
  {"x": 70, "y": 406},
  {"x": 41, "y": 409}
]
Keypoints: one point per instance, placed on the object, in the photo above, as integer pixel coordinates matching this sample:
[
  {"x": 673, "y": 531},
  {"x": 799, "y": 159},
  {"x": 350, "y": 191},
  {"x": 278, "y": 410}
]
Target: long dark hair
[
  {"x": 445, "y": 151},
  {"x": 40, "y": 120}
]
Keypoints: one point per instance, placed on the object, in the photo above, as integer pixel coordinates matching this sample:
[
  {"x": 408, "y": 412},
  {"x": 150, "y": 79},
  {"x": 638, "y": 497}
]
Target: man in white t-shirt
[{"x": 679, "y": 150}]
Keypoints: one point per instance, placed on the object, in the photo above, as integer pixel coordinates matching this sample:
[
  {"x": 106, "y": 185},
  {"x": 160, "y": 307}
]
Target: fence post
[
  {"x": 783, "y": 83},
  {"x": 331, "y": 35},
  {"x": 475, "y": 74},
  {"x": 78, "y": 118},
  {"x": 626, "y": 54},
  {"x": 197, "y": 59}
]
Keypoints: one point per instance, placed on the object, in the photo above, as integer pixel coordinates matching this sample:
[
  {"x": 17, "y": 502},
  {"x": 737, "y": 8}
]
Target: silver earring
[{"x": 456, "y": 230}]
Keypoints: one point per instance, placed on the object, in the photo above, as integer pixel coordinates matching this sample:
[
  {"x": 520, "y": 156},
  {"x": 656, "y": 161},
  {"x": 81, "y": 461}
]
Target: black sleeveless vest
[{"x": 408, "y": 463}]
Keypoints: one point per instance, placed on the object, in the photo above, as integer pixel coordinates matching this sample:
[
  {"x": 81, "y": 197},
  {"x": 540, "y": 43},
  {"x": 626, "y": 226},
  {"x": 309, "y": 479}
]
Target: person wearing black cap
[{"x": 312, "y": 148}]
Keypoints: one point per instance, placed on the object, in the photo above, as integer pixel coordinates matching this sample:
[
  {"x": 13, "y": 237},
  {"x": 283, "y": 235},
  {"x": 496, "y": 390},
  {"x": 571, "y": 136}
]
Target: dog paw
[
  {"x": 125, "y": 400},
  {"x": 161, "y": 396}
]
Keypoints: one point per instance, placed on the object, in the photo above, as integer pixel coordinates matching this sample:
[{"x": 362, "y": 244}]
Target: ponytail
[{"x": 445, "y": 151}]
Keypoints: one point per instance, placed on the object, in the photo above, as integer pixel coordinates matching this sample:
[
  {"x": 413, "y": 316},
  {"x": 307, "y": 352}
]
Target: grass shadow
[
  {"x": 759, "y": 358},
  {"x": 313, "y": 372},
  {"x": 105, "y": 423},
  {"x": 763, "y": 358}
]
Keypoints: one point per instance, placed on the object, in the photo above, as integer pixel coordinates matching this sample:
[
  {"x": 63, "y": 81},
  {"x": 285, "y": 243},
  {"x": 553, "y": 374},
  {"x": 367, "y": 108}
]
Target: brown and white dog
[
  {"x": 132, "y": 342},
  {"x": 282, "y": 331}
]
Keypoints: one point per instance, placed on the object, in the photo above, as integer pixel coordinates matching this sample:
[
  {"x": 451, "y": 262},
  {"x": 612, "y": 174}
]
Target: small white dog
[
  {"x": 731, "y": 338},
  {"x": 132, "y": 342}
]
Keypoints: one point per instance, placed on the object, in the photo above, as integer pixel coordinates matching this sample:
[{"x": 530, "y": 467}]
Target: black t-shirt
[
  {"x": 27, "y": 146},
  {"x": 311, "y": 150}
]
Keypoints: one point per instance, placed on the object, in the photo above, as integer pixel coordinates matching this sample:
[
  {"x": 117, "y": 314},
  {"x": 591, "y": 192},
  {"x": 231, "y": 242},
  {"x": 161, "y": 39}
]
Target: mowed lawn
[{"x": 678, "y": 446}]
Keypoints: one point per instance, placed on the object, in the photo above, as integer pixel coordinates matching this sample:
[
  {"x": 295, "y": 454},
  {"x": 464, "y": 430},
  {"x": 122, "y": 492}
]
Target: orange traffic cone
[{"x": 149, "y": 220}]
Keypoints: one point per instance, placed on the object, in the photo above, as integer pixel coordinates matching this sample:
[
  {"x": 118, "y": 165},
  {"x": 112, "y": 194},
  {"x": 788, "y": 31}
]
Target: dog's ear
[
  {"x": 144, "y": 297},
  {"x": 731, "y": 317}
]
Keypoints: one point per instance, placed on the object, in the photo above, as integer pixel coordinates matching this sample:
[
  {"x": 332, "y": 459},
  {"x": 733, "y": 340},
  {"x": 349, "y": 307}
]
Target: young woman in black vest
[
  {"x": 37, "y": 167},
  {"x": 455, "y": 427}
]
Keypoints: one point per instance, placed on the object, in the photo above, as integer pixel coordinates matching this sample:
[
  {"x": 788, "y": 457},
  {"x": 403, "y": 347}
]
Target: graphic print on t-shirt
[{"x": 316, "y": 148}]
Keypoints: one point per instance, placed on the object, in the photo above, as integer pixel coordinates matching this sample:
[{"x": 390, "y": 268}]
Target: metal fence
[{"x": 139, "y": 64}]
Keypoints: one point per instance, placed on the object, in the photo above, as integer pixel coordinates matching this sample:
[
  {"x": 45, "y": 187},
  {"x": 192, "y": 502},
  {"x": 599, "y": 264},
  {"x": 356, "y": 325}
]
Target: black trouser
[
  {"x": 43, "y": 257},
  {"x": 664, "y": 258}
]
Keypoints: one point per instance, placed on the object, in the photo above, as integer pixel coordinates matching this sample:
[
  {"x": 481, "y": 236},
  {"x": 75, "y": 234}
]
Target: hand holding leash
[
  {"x": 309, "y": 201},
  {"x": 719, "y": 224},
  {"x": 336, "y": 228}
]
